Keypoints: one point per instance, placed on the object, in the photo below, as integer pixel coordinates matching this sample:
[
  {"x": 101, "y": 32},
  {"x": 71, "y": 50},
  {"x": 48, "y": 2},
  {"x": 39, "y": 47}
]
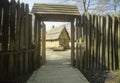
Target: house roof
[
  {"x": 54, "y": 33},
  {"x": 64, "y": 9}
]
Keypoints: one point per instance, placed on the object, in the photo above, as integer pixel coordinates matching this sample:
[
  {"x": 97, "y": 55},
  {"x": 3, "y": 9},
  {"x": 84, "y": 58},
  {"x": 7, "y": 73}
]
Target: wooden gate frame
[
  {"x": 58, "y": 18},
  {"x": 57, "y": 13}
]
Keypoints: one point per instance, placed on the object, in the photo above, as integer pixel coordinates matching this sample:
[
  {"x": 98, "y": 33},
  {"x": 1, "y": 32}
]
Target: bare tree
[
  {"x": 97, "y": 6},
  {"x": 107, "y": 6},
  {"x": 85, "y": 5},
  {"x": 116, "y": 4}
]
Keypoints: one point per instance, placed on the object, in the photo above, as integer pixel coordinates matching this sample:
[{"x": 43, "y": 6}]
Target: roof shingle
[
  {"x": 54, "y": 33},
  {"x": 43, "y": 8}
]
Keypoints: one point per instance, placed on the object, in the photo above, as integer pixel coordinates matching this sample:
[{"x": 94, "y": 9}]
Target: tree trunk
[
  {"x": 115, "y": 7},
  {"x": 84, "y": 7}
]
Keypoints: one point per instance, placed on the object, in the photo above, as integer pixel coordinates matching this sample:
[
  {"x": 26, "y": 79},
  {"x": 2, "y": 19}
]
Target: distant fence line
[
  {"x": 98, "y": 42},
  {"x": 18, "y": 56}
]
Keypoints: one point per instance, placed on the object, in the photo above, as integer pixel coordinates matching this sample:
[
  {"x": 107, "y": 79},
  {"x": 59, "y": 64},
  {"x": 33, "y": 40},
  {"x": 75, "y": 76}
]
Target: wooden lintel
[
  {"x": 58, "y": 18},
  {"x": 16, "y": 52}
]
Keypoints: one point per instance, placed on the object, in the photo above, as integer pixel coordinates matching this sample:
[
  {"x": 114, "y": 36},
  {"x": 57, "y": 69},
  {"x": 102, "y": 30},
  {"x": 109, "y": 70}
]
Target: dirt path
[
  {"x": 57, "y": 70},
  {"x": 58, "y": 57}
]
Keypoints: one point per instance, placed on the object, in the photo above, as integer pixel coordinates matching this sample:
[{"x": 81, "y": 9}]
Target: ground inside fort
[{"x": 57, "y": 70}]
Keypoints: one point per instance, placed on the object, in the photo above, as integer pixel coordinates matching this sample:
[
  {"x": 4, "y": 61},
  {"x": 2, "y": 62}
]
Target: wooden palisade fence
[
  {"x": 97, "y": 42},
  {"x": 18, "y": 55}
]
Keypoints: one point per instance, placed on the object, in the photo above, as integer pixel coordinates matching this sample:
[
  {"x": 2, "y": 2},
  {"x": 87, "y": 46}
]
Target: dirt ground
[
  {"x": 57, "y": 70},
  {"x": 104, "y": 76},
  {"x": 96, "y": 76},
  {"x": 57, "y": 57}
]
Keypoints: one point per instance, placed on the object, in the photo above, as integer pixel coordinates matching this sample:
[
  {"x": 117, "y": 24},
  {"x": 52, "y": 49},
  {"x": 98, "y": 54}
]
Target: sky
[
  {"x": 31, "y": 2},
  {"x": 48, "y": 24}
]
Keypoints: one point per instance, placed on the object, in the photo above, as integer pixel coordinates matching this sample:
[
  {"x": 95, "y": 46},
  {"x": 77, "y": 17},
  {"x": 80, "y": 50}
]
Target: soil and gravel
[{"x": 102, "y": 76}]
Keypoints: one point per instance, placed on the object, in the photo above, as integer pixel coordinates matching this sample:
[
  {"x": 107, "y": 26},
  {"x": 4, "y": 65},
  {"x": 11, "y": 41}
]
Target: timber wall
[
  {"x": 18, "y": 55},
  {"x": 98, "y": 42}
]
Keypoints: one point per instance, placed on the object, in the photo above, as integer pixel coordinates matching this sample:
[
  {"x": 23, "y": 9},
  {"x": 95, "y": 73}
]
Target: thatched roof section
[
  {"x": 54, "y": 33},
  {"x": 43, "y": 8}
]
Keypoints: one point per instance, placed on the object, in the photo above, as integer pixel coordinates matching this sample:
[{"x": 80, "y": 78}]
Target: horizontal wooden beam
[
  {"x": 55, "y": 17},
  {"x": 16, "y": 52}
]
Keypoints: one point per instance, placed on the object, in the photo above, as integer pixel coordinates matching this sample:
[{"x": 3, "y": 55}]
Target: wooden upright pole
[
  {"x": 26, "y": 36},
  {"x": 5, "y": 38},
  {"x": 36, "y": 43},
  {"x": 43, "y": 42},
  {"x": 22, "y": 39},
  {"x": 77, "y": 42},
  {"x": 119, "y": 41},
  {"x": 39, "y": 42},
  {"x": 72, "y": 43}
]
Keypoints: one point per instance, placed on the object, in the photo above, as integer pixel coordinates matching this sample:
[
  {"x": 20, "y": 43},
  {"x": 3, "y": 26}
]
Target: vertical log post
[
  {"x": 43, "y": 43},
  {"x": 1, "y": 2},
  {"x": 108, "y": 41},
  {"x": 79, "y": 41},
  {"x": 17, "y": 36},
  {"x": 112, "y": 42},
  {"x": 106, "y": 38},
  {"x": 88, "y": 41},
  {"x": 95, "y": 41},
  {"x": 77, "y": 21},
  {"x": 21, "y": 60},
  {"x": 12, "y": 38},
  {"x": 39, "y": 43},
  {"x": 116, "y": 43},
  {"x": 35, "y": 42},
  {"x": 5, "y": 25},
  {"x": 103, "y": 42},
  {"x": 72, "y": 43},
  {"x": 91, "y": 42},
  {"x": 83, "y": 45},
  {"x": 30, "y": 60},
  {"x": 26, "y": 36},
  {"x": 5, "y": 37},
  {"x": 119, "y": 41},
  {"x": 98, "y": 42}
]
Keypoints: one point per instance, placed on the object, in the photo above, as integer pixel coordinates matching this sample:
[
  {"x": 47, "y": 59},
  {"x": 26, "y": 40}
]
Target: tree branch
[
  {"x": 84, "y": 7},
  {"x": 115, "y": 6},
  {"x": 88, "y": 5}
]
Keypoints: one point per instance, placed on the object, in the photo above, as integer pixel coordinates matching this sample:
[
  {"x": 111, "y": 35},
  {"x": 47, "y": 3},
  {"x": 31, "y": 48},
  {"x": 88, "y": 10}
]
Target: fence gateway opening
[{"x": 60, "y": 13}]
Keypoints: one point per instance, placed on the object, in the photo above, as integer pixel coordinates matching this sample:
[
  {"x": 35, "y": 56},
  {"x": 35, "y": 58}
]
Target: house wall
[
  {"x": 64, "y": 39},
  {"x": 52, "y": 44}
]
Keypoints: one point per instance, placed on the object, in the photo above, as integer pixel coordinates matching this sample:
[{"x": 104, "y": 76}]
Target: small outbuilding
[{"x": 57, "y": 37}]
